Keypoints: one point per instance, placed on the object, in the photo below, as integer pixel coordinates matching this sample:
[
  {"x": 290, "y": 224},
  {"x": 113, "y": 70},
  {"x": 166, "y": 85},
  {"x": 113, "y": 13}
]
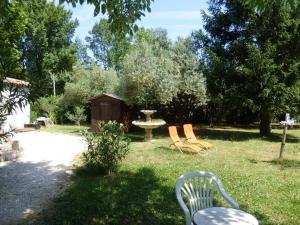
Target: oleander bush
[{"x": 106, "y": 148}]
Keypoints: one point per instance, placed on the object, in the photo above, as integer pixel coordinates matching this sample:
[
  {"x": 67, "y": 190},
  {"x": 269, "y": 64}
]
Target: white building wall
[{"x": 18, "y": 118}]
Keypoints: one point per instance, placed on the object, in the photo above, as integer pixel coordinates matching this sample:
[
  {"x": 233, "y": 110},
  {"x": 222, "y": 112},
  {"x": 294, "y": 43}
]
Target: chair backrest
[
  {"x": 198, "y": 188},
  {"x": 188, "y": 131},
  {"x": 173, "y": 134}
]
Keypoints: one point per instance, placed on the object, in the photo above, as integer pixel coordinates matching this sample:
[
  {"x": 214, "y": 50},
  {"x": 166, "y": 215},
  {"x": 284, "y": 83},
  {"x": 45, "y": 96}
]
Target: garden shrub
[
  {"x": 48, "y": 105},
  {"x": 78, "y": 116},
  {"x": 106, "y": 148},
  {"x": 33, "y": 114}
]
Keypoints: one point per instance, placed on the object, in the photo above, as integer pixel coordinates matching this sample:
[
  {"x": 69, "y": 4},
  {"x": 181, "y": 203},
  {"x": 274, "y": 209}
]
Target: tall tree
[
  {"x": 192, "y": 87},
  {"x": 87, "y": 82},
  {"x": 12, "y": 25},
  {"x": 109, "y": 48},
  {"x": 46, "y": 46},
  {"x": 253, "y": 57},
  {"x": 150, "y": 77},
  {"x": 157, "y": 38},
  {"x": 82, "y": 52}
]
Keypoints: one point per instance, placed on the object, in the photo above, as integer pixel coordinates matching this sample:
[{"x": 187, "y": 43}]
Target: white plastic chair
[{"x": 199, "y": 188}]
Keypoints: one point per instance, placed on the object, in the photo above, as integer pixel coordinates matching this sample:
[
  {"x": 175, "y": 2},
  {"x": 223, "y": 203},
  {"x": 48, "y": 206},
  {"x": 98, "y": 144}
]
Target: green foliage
[
  {"x": 49, "y": 105},
  {"x": 157, "y": 38},
  {"x": 46, "y": 45},
  {"x": 12, "y": 25},
  {"x": 109, "y": 48},
  {"x": 252, "y": 62},
  {"x": 157, "y": 73},
  {"x": 33, "y": 114},
  {"x": 88, "y": 82},
  {"x": 192, "y": 86},
  {"x": 78, "y": 116},
  {"x": 263, "y": 4},
  {"x": 106, "y": 148},
  {"x": 122, "y": 14},
  {"x": 149, "y": 75},
  {"x": 81, "y": 52}
]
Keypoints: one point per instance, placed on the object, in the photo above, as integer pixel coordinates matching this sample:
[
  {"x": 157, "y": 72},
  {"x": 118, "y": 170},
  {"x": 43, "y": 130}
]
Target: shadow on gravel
[{"x": 26, "y": 186}]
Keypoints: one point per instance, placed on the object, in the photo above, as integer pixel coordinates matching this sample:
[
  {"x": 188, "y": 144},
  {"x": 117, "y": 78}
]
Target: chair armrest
[
  {"x": 229, "y": 200},
  {"x": 226, "y": 196}
]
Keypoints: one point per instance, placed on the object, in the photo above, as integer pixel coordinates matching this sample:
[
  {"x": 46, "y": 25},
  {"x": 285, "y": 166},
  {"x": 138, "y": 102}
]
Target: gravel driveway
[{"x": 40, "y": 173}]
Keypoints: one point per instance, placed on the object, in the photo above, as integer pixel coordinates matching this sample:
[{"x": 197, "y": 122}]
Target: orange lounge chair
[
  {"x": 178, "y": 143},
  {"x": 191, "y": 138}
]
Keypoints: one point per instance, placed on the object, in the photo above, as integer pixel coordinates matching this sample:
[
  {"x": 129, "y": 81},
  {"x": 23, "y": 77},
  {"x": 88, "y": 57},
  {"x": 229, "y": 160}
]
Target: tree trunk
[
  {"x": 265, "y": 120},
  {"x": 210, "y": 111}
]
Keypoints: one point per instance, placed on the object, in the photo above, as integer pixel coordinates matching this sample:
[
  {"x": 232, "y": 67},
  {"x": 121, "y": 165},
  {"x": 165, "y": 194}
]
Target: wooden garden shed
[{"x": 108, "y": 107}]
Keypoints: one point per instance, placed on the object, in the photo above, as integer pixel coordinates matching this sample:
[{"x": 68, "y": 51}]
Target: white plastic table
[{"x": 223, "y": 216}]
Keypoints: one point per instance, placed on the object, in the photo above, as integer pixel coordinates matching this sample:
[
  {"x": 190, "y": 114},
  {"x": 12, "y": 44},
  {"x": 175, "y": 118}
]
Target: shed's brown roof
[
  {"x": 16, "y": 82},
  {"x": 109, "y": 95}
]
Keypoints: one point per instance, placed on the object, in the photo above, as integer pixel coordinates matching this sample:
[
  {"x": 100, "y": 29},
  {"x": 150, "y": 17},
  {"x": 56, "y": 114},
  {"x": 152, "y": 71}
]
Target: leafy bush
[
  {"x": 78, "y": 116},
  {"x": 106, "y": 148},
  {"x": 33, "y": 114},
  {"x": 48, "y": 105}
]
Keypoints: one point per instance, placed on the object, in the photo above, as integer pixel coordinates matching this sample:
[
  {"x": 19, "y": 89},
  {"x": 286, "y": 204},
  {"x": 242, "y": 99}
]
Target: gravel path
[{"x": 30, "y": 182}]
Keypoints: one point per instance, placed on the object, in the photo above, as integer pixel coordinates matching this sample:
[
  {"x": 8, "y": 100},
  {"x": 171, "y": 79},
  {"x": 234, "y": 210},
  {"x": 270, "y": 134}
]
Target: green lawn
[
  {"x": 65, "y": 129},
  {"x": 143, "y": 191}
]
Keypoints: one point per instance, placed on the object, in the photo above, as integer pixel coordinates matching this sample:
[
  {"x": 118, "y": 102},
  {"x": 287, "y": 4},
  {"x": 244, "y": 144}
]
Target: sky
[{"x": 178, "y": 17}]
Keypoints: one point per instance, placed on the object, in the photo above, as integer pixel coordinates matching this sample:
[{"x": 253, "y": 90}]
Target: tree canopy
[
  {"x": 88, "y": 82},
  {"x": 252, "y": 59},
  {"x": 82, "y": 52},
  {"x": 149, "y": 79},
  {"x": 109, "y": 49},
  {"x": 122, "y": 14},
  {"x": 248, "y": 58},
  {"x": 12, "y": 25},
  {"x": 192, "y": 84},
  {"x": 46, "y": 45},
  {"x": 158, "y": 73}
]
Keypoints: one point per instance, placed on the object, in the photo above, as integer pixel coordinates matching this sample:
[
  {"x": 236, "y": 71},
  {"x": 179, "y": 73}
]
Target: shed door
[{"x": 105, "y": 111}]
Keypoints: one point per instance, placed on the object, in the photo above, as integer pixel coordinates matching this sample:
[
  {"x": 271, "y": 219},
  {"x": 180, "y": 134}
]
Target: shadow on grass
[
  {"x": 285, "y": 163},
  {"x": 129, "y": 198},
  {"x": 137, "y": 135},
  {"x": 138, "y": 198},
  {"x": 226, "y": 134},
  {"x": 262, "y": 218},
  {"x": 234, "y": 135}
]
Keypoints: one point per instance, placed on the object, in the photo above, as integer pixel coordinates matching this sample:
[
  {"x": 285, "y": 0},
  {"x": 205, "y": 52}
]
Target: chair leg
[
  {"x": 175, "y": 147},
  {"x": 179, "y": 149}
]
